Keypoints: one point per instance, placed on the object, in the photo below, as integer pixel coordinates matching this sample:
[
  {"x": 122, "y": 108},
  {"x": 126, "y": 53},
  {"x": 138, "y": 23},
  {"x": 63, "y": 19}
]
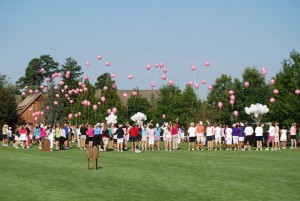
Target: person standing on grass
[
  {"x": 37, "y": 134},
  {"x": 62, "y": 137},
  {"x": 241, "y": 136},
  {"x": 42, "y": 135},
  {"x": 174, "y": 132},
  {"x": 248, "y": 137},
  {"x": 9, "y": 135},
  {"x": 144, "y": 138},
  {"x": 283, "y": 137},
  {"x": 97, "y": 136},
  {"x": 218, "y": 137},
  {"x": 23, "y": 136},
  {"x": 228, "y": 135},
  {"x": 90, "y": 135},
  {"x": 28, "y": 131},
  {"x": 126, "y": 136},
  {"x": 223, "y": 138},
  {"x": 57, "y": 136},
  {"x": 259, "y": 135},
  {"x": 134, "y": 132},
  {"x": 271, "y": 136},
  {"x": 192, "y": 136},
  {"x": 200, "y": 135},
  {"x": 235, "y": 136},
  {"x": 83, "y": 131},
  {"x": 293, "y": 131},
  {"x": 67, "y": 140},
  {"x": 16, "y": 137},
  {"x": 105, "y": 137},
  {"x": 4, "y": 135},
  {"x": 50, "y": 134},
  {"x": 209, "y": 136},
  {"x": 151, "y": 136},
  {"x": 120, "y": 138},
  {"x": 276, "y": 139},
  {"x": 168, "y": 139},
  {"x": 157, "y": 136}
]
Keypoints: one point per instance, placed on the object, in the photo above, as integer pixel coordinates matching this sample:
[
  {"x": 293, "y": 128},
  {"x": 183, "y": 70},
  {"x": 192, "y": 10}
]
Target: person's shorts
[
  {"x": 218, "y": 140},
  {"x": 209, "y": 138},
  {"x": 248, "y": 139},
  {"x": 151, "y": 141},
  {"x": 169, "y": 139},
  {"x": 120, "y": 140},
  {"x": 229, "y": 141},
  {"x": 133, "y": 139},
  {"x": 293, "y": 137},
  {"x": 258, "y": 138},
  {"x": 105, "y": 140},
  {"x": 241, "y": 139},
  {"x": 235, "y": 139},
  {"x": 271, "y": 139},
  {"x": 4, "y": 136},
  {"x": 192, "y": 139},
  {"x": 83, "y": 137}
]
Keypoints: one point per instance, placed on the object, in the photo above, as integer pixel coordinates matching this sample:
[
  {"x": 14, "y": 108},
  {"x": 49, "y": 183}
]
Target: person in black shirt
[{"x": 83, "y": 131}]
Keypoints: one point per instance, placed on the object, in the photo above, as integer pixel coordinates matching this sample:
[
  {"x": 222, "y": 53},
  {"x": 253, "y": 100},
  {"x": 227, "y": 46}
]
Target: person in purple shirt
[
  {"x": 235, "y": 135},
  {"x": 241, "y": 136}
]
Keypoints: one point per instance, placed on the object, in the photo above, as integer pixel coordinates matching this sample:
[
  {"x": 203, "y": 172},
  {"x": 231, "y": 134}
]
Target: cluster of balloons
[
  {"x": 139, "y": 117},
  {"x": 257, "y": 110}
]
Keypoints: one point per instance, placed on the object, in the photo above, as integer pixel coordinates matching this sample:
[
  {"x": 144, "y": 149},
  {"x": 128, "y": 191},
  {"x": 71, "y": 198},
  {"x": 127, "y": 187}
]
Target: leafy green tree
[
  {"x": 33, "y": 75},
  {"x": 75, "y": 73},
  {"x": 286, "y": 109}
]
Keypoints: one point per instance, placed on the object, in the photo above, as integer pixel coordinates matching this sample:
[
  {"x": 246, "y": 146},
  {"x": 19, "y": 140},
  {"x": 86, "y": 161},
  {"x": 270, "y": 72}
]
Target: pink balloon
[
  {"x": 231, "y": 102},
  {"x": 220, "y": 105},
  {"x": 59, "y": 74},
  {"x": 246, "y": 84},
  {"x": 30, "y": 91},
  {"x": 70, "y": 92},
  {"x": 152, "y": 84},
  {"x": 57, "y": 95},
  {"x": 161, "y": 65},
  {"x": 66, "y": 87},
  {"x": 35, "y": 118},
  {"x": 70, "y": 116},
  {"x": 95, "y": 107},
  {"x": 203, "y": 81},
  {"x": 42, "y": 70},
  {"x": 23, "y": 93},
  {"x": 61, "y": 83},
  {"x": 36, "y": 91},
  {"x": 130, "y": 77},
  {"x": 190, "y": 83},
  {"x": 47, "y": 108},
  {"x": 42, "y": 113},
  {"x": 26, "y": 87},
  {"x": 193, "y": 67},
  {"x": 47, "y": 79},
  {"x": 99, "y": 103},
  {"x": 275, "y": 91},
  {"x": 99, "y": 57},
  {"x": 263, "y": 68},
  {"x": 112, "y": 75},
  {"x": 68, "y": 72},
  {"x": 196, "y": 86},
  {"x": 163, "y": 77},
  {"x": 67, "y": 76},
  {"x": 114, "y": 86},
  {"x": 165, "y": 70},
  {"x": 79, "y": 113},
  {"x": 148, "y": 67},
  {"x": 114, "y": 110},
  {"x": 108, "y": 111},
  {"x": 62, "y": 91},
  {"x": 272, "y": 100},
  {"x": 163, "y": 116},
  {"x": 86, "y": 77},
  {"x": 55, "y": 103},
  {"x": 209, "y": 87},
  {"x": 68, "y": 98},
  {"x": 171, "y": 82},
  {"x": 272, "y": 82},
  {"x": 88, "y": 103},
  {"x": 156, "y": 65},
  {"x": 231, "y": 92},
  {"x": 297, "y": 91},
  {"x": 76, "y": 115},
  {"x": 80, "y": 90},
  {"x": 85, "y": 89},
  {"x": 87, "y": 63},
  {"x": 105, "y": 88},
  {"x": 71, "y": 101},
  {"x": 207, "y": 63},
  {"x": 107, "y": 63},
  {"x": 235, "y": 113},
  {"x": 79, "y": 83},
  {"x": 102, "y": 98},
  {"x": 66, "y": 95},
  {"x": 55, "y": 87},
  {"x": 125, "y": 95},
  {"x": 134, "y": 93}
]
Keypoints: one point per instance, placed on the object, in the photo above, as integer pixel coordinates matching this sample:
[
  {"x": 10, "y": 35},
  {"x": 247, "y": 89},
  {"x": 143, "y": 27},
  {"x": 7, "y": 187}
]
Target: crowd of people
[{"x": 151, "y": 136}]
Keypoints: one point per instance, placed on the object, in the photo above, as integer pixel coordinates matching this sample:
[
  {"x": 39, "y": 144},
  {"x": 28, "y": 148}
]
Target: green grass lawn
[{"x": 30, "y": 174}]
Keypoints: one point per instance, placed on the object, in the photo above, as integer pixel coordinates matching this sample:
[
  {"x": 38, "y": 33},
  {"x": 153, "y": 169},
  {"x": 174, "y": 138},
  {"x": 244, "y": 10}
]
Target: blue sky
[{"x": 231, "y": 34}]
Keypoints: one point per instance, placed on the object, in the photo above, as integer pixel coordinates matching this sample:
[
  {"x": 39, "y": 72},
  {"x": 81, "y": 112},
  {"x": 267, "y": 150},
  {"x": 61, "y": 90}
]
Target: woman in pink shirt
[
  {"x": 151, "y": 137},
  {"x": 90, "y": 134},
  {"x": 293, "y": 131}
]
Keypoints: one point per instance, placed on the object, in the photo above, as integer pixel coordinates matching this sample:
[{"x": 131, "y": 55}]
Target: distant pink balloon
[
  {"x": 42, "y": 113},
  {"x": 152, "y": 84},
  {"x": 209, "y": 87},
  {"x": 95, "y": 107},
  {"x": 124, "y": 95},
  {"x": 297, "y": 91},
  {"x": 80, "y": 90},
  {"x": 171, "y": 82},
  {"x": 134, "y": 93},
  {"x": 68, "y": 72},
  {"x": 190, "y": 83},
  {"x": 220, "y": 105},
  {"x": 26, "y": 87},
  {"x": 57, "y": 95},
  {"x": 193, "y": 67},
  {"x": 203, "y": 81},
  {"x": 263, "y": 68},
  {"x": 235, "y": 113},
  {"x": 196, "y": 86},
  {"x": 59, "y": 74},
  {"x": 163, "y": 116},
  {"x": 130, "y": 77},
  {"x": 45, "y": 88},
  {"x": 36, "y": 91},
  {"x": 55, "y": 103},
  {"x": 156, "y": 65},
  {"x": 47, "y": 108},
  {"x": 231, "y": 102},
  {"x": 85, "y": 89},
  {"x": 79, "y": 83},
  {"x": 272, "y": 100},
  {"x": 47, "y": 79},
  {"x": 66, "y": 87},
  {"x": 61, "y": 83},
  {"x": 246, "y": 84},
  {"x": 112, "y": 75},
  {"x": 107, "y": 63},
  {"x": 99, "y": 57},
  {"x": 76, "y": 115},
  {"x": 275, "y": 91},
  {"x": 55, "y": 87},
  {"x": 30, "y": 91},
  {"x": 35, "y": 118},
  {"x": 108, "y": 111},
  {"x": 232, "y": 97},
  {"x": 207, "y": 63},
  {"x": 71, "y": 101},
  {"x": 66, "y": 95},
  {"x": 165, "y": 70},
  {"x": 70, "y": 116},
  {"x": 70, "y": 92},
  {"x": 272, "y": 82},
  {"x": 231, "y": 92},
  {"x": 87, "y": 63},
  {"x": 86, "y": 77},
  {"x": 105, "y": 88},
  {"x": 161, "y": 65},
  {"x": 102, "y": 98},
  {"x": 79, "y": 113},
  {"x": 163, "y": 77},
  {"x": 42, "y": 87},
  {"x": 62, "y": 91},
  {"x": 148, "y": 67},
  {"x": 114, "y": 110},
  {"x": 42, "y": 70},
  {"x": 23, "y": 93},
  {"x": 114, "y": 86},
  {"x": 99, "y": 103}
]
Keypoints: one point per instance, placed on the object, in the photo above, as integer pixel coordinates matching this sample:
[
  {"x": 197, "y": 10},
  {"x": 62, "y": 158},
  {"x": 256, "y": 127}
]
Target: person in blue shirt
[{"x": 157, "y": 132}]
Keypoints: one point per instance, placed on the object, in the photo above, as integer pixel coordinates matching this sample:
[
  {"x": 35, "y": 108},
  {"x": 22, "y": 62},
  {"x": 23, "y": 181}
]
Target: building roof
[{"x": 27, "y": 102}]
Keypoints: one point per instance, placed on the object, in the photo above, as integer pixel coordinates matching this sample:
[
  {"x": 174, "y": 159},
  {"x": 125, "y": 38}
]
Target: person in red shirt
[
  {"x": 174, "y": 133},
  {"x": 134, "y": 132}
]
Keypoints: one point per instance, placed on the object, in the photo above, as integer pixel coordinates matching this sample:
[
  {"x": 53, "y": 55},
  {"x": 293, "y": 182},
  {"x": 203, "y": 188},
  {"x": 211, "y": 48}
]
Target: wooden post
[
  {"x": 46, "y": 145},
  {"x": 93, "y": 154}
]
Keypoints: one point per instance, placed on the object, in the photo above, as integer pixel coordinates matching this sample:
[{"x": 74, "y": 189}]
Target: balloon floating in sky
[
  {"x": 171, "y": 82},
  {"x": 99, "y": 57},
  {"x": 220, "y": 105},
  {"x": 235, "y": 113},
  {"x": 203, "y": 81},
  {"x": 165, "y": 70},
  {"x": 190, "y": 83},
  {"x": 134, "y": 93},
  {"x": 275, "y": 91},
  {"x": 207, "y": 63},
  {"x": 152, "y": 84},
  {"x": 193, "y": 67},
  {"x": 297, "y": 91},
  {"x": 148, "y": 67},
  {"x": 272, "y": 82},
  {"x": 272, "y": 100},
  {"x": 105, "y": 88},
  {"x": 156, "y": 65},
  {"x": 130, "y": 77},
  {"x": 107, "y": 63},
  {"x": 246, "y": 84},
  {"x": 163, "y": 77},
  {"x": 196, "y": 86},
  {"x": 125, "y": 95},
  {"x": 161, "y": 65},
  {"x": 209, "y": 87},
  {"x": 112, "y": 75},
  {"x": 231, "y": 92},
  {"x": 87, "y": 63}
]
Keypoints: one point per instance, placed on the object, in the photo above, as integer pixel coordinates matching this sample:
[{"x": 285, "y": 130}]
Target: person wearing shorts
[
  {"x": 210, "y": 136},
  {"x": 200, "y": 135},
  {"x": 83, "y": 131},
  {"x": 4, "y": 135},
  {"x": 134, "y": 132},
  {"x": 271, "y": 136},
  {"x": 276, "y": 140},
  {"x": 151, "y": 136},
  {"x": 283, "y": 137},
  {"x": 192, "y": 136},
  {"x": 105, "y": 137},
  {"x": 120, "y": 138},
  {"x": 157, "y": 136},
  {"x": 248, "y": 137},
  {"x": 293, "y": 131},
  {"x": 235, "y": 136},
  {"x": 168, "y": 139},
  {"x": 241, "y": 136},
  {"x": 144, "y": 138},
  {"x": 259, "y": 135},
  {"x": 218, "y": 137},
  {"x": 228, "y": 135}
]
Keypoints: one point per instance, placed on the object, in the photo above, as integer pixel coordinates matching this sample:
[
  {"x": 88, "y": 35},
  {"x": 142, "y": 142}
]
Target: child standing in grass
[
  {"x": 157, "y": 136},
  {"x": 293, "y": 130},
  {"x": 144, "y": 137},
  {"x": 248, "y": 136},
  {"x": 91, "y": 136},
  {"x": 4, "y": 135},
  {"x": 105, "y": 137},
  {"x": 192, "y": 136},
  {"x": 259, "y": 135},
  {"x": 168, "y": 139},
  {"x": 151, "y": 136},
  {"x": 283, "y": 137},
  {"x": 23, "y": 136}
]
